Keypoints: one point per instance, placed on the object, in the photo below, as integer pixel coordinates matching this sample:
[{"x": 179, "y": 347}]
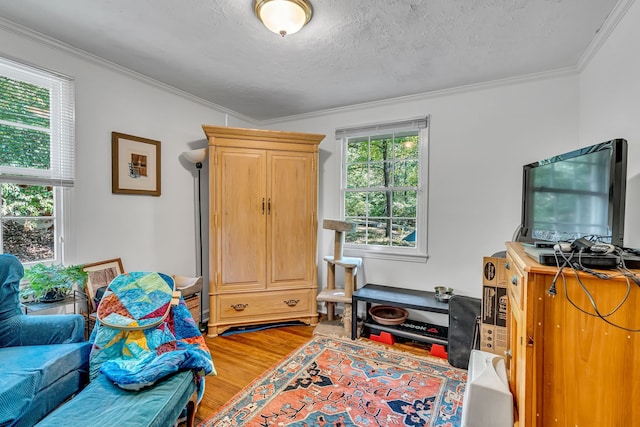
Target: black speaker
[{"x": 464, "y": 329}]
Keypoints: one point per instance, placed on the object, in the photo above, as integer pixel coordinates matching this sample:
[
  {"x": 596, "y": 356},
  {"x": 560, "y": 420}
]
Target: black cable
[
  {"x": 624, "y": 270},
  {"x": 629, "y": 274},
  {"x": 552, "y": 289},
  {"x": 593, "y": 302},
  {"x": 577, "y": 266}
]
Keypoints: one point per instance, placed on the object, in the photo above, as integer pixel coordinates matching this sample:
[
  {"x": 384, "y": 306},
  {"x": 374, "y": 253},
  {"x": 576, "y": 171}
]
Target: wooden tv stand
[{"x": 568, "y": 368}]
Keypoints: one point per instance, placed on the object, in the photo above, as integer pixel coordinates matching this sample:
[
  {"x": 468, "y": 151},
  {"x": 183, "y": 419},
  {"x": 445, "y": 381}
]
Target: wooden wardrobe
[{"x": 262, "y": 227}]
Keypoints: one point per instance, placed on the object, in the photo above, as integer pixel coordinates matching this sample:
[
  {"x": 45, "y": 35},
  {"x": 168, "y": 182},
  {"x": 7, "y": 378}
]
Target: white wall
[
  {"x": 610, "y": 105},
  {"x": 148, "y": 233},
  {"x": 479, "y": 140}
]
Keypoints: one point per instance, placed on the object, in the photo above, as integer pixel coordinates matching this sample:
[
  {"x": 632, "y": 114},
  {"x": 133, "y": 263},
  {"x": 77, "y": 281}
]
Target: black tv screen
[{"x": 576, "y": 194}]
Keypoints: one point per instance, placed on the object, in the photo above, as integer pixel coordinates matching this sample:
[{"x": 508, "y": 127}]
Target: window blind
[
  {"x": 371, "y": 129},
  {"x": 36, "y": 126}
]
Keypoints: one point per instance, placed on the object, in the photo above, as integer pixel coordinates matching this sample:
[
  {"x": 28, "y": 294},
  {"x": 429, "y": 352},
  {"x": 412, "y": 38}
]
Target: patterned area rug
[{"x": 339, "y": 382}]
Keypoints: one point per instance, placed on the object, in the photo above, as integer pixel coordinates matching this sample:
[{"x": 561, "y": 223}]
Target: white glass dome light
[
  {"x": 283, "y": 17},
  {"x": 196, "y": 156}
]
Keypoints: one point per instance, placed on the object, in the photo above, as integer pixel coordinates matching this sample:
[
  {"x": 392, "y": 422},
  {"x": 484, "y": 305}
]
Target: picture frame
[
  {"x": 135, "y": 164},
  {"x": 100, "y": 274}
]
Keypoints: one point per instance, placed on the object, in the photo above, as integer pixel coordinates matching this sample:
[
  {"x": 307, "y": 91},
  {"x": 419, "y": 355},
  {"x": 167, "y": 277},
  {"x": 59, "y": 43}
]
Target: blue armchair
[{"x": 44, "y": 359}]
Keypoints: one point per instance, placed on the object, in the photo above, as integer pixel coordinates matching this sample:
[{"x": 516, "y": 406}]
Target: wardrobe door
[
  {"x": 291, "y": 219},
  {"x": 241, "y": 219}
]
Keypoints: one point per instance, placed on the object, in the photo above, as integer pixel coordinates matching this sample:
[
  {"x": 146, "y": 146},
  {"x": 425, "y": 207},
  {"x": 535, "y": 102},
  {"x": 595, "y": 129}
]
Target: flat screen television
[{"x": 576, "y": 194}]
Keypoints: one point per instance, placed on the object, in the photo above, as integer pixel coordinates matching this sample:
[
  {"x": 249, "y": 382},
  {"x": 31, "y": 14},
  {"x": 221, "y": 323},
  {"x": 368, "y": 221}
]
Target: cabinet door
[
  {"x": 520, "y": 346},
  {"x": 518, "y": 363},
  {"x": 240, "y": 219},
  {"x": 291, "y": 219}
]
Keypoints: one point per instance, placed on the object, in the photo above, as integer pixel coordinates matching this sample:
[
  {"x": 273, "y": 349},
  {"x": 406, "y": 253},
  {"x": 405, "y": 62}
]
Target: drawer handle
[
  {"x": 514, "y": 280},
  {"x": 507, "y": 265},
  {"x": 292, "y": 302},
  {"x": 239, "y": 307}
]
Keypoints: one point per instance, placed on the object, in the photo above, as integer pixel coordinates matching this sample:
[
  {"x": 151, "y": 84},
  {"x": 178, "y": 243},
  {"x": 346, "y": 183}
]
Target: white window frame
[
  {"x": 61, "y": 174},
  {"x": 419, "y": 253}
]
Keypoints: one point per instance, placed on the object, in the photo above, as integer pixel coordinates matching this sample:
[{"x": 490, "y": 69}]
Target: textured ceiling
[{"x": 352, "y": 51}]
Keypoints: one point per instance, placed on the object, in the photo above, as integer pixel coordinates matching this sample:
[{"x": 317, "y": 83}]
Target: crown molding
[
  {"x": 603, "y": 33},
  {"x": 47, "y": 41},
  {"x": 430, "y": 95}
]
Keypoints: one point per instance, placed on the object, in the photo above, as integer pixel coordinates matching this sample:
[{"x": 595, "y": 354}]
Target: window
[
  {"x": 36, "y": 160},
  {"x": 384, "y": 188}
]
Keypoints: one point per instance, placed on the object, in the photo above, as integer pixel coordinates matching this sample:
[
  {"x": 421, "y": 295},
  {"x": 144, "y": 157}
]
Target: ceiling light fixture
[{"x": 283, "y": 16}]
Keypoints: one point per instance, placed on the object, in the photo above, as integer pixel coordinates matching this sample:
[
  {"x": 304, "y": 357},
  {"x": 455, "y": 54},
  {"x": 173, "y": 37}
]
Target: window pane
[
  {"x": 380, "y": 147},
  {"x": 355, "y": 204},
  {"x": 28, "y": 239},
  {"x": 26, "y": 148},
  {"x": 379, "y": 174},
  {"x": 378, "y": 203},
  {"x": 357, "y": 175},
  {"x": 405, "y": 173},
  {"x": 358, "y": 150},
  {"x": 378, "y": 231},
  {"x": 405, "y": 146},
  {"x": 404, "y": 233},
  {"x": 26, "y": 200},
  {"x": 26, "y": 231},
  {"x": 359, "y": 234},
  {"x": 404, "y": 204},
  {"x": 24, "y": 103}
]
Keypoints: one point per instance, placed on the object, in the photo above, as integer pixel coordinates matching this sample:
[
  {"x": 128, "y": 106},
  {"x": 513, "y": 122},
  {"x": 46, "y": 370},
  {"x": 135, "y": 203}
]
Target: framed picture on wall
[
  {"x": 99, "y": 275},
  {"x": 135, "y": 164}
]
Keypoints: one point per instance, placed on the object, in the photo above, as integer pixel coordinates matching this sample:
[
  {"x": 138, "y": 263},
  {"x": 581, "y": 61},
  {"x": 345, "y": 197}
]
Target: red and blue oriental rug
[{"x": 339, "y": 382}]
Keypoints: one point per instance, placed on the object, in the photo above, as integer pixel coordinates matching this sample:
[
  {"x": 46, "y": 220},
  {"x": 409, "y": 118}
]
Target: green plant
[{"x": 51, "y": 282}]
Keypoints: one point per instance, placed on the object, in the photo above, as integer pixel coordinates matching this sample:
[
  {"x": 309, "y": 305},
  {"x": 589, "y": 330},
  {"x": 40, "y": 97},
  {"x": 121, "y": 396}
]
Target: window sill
[{"x": 386, "y": 254}]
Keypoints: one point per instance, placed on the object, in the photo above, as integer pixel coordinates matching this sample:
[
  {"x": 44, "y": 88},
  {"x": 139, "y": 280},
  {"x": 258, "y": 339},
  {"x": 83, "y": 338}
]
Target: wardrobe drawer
[{"x": 264, "y": 304}]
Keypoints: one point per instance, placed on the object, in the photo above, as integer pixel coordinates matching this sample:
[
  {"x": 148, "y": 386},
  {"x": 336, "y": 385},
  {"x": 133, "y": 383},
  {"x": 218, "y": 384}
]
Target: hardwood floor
[{"x": 241, "y": 358}]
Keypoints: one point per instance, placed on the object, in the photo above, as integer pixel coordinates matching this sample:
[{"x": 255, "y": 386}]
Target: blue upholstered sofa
[{"x": 43, "y": 358}]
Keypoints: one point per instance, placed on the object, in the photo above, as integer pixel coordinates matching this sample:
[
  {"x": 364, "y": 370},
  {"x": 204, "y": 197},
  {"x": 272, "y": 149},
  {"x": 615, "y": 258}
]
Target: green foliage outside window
[
  {"x": 24, "y": 142},
  {"x": 382, "y": 176},
  {"x": 26, "y": 200},
  {"x": 24, "y": 103},
  {"x": 24, "y": 148}
]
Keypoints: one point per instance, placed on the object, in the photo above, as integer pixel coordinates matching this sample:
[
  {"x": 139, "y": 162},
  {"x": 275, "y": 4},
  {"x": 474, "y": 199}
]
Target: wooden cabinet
[
  {"x": 263, "y": 227},
  {"x": 568, "y": 366}
]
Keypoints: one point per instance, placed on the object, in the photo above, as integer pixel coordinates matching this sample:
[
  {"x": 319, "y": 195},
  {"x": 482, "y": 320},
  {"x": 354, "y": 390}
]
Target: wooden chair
[{"x": 331, "y": 295}]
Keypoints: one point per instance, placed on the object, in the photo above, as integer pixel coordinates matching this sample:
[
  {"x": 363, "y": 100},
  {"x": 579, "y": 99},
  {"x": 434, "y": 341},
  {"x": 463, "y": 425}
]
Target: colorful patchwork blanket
[{"x": 144, "y": 332}]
